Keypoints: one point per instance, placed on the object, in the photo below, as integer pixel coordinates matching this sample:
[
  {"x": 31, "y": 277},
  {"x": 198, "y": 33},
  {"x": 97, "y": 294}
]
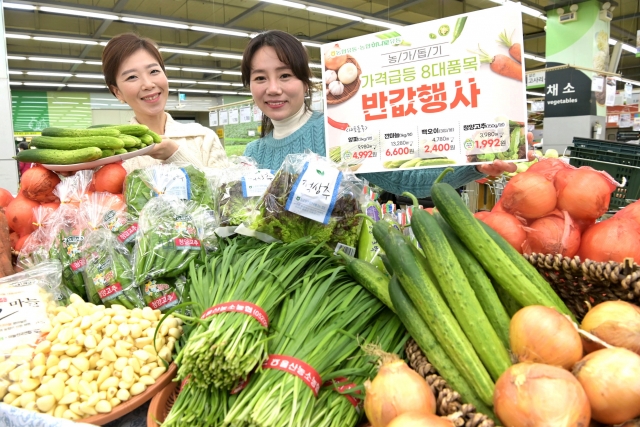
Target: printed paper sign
[
  {"x": 245, "y": 114},
  {"x": 535, "y": 80},
  {"x": 22, "y": 315},
  {"x": 610, "y": 100},
  {"x": 223, "y": 115},
  {"x": 213, "y": 118},
  {"x": 314, "y": 194},
  {"x": 257, "y": 114},
  {"x": 597, "y": 83},
  {"x": 172, "y": 182},
  {"x": 257, "y": 183},
  {"x": 427, "y": 95},
  {"x": 234, "y": 117}
]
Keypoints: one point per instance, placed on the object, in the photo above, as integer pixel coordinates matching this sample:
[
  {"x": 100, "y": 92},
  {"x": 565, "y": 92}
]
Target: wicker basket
[
  {"x": 161, "y": 404},
  {"x": 582, "y": 285},
  {"x": 448, "y": 403},
  {"x": 349, "y": 90}
]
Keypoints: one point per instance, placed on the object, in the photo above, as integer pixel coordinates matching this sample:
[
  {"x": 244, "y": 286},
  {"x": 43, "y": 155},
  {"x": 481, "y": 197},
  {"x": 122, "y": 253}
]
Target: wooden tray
[
  {"x": 135, "y": 402},
  {"x": 349, "y": 90},
  {"x": 100, "y": 162}
]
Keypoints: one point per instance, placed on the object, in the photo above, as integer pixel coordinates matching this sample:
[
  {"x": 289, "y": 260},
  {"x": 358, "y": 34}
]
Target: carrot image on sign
[
  {"x": 514, "y": 48},
  {"x": 502, "y": 64}
]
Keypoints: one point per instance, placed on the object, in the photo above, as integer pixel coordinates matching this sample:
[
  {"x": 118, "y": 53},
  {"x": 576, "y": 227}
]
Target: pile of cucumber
[{"x": 60, "y": 146}]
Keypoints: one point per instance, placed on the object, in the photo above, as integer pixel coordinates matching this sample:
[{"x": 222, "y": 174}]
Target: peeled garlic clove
[{"x": 336, "y": 88}]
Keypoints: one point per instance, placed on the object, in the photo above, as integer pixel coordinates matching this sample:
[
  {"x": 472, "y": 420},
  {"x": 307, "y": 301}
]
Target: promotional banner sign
[{"x": 443, "y": 92}]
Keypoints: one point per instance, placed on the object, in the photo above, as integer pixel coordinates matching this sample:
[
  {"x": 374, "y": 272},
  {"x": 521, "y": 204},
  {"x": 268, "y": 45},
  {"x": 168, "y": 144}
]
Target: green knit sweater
[{"x": 270, "y": 153}]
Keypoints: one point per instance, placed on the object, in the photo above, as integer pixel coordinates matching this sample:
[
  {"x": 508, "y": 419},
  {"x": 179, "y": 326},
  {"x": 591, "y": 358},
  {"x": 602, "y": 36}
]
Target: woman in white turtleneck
[{"x": 275, "y": 66}]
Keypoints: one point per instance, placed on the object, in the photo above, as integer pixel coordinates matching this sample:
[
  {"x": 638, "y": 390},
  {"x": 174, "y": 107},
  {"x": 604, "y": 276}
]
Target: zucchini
[
  {"x": 527, "y": 269},
  {"x": 121, "y": 151},
  {"x": 146, "y": 139},
  {"x": 436, "y": 355},
  {"x": 369, "y": 277},
  {"x": 458, "y": 292},
  {"x": 134, "y": 130},
  {"x": 480, "y": 283},
  {"x": 484, "y": 248},
  {"x": 130, "y": 141},
  {"x": 107, "y": 153},
  {"x": 59, "y": 157},
  {"x": 433, "y": 309},
  {"x": 77, "y": 133},
  {"x": 156, "y": 138},
  {"x": 70, "y": 143}
]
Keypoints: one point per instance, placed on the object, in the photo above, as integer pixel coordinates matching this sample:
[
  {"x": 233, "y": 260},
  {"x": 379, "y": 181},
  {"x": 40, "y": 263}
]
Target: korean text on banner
[{"x": 438, "y": 93}]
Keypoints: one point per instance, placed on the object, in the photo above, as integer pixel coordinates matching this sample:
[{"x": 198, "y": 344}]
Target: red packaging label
[
  {"x": 184, "y": 383},
  {"x": 185, "y": 243},
  {"x": 127, "y": 234},
  {"x": 241, "y": 386},
  {"x": 164, "y": 300},
  {"x": 78, "y": 264},
  {"x": 345, "y": 385},
  {"x": 110, "y": 291},
  {"x": 239, "y": 307},
  {"x": 295, "y": 367}
]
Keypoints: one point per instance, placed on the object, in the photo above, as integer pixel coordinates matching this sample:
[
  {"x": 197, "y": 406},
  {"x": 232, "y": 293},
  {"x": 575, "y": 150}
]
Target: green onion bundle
[
  {"x": 319, "y": 324},
  {"x": 199, "y": 407},
  {"x": 227, "y": 346}
]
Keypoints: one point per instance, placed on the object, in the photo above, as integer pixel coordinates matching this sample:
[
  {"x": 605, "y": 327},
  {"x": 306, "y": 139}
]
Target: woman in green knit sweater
[{"x": 275, "y": 66}]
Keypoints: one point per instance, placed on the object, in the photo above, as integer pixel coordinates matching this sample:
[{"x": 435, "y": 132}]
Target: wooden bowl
[
  {"x": 135, "y": 402},
  {"x": 349, "y": 90}
]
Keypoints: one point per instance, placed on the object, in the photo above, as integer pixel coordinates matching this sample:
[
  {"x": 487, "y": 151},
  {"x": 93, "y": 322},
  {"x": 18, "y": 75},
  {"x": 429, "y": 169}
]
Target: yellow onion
[
  {"x": 540, "y": 334},
  {"x": 396, "y": 389},
  {"x": 614, "y": 322},
  {"x": 533, "y": 394},
  {"x": 332, "y": 61},
  {"x": 611, "y": 379},
  {"x": 419, "y": 419}
]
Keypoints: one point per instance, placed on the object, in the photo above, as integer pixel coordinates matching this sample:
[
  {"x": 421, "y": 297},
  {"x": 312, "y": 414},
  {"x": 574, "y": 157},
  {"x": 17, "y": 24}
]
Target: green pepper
[{"x": 457, "y": 31}]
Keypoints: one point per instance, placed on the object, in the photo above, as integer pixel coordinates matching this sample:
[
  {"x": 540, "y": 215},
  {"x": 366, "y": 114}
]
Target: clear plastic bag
[
  {"x": 107, "y": 211},
  {"x": 163, "y": 293},
  {"x": 37, "y": 246},
  {"x": 185, "y": 183},
  {"x": 309, "y": 196}
]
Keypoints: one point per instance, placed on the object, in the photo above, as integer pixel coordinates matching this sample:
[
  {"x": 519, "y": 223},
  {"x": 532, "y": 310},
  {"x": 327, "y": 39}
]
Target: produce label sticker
[
  {"x": 297, "y": 368},
  {"x": 22, "y": 314},
  {"x": 244, "y": 307},
  {"x": 255, "y": 184},
  {"x": 164, "y": 302},
  {"x": 342, "y": 384},
  {"x": 171, "y": 182},
  {"x": 129, "y": 234},
  {"x": 443, "y": 92},
  {"x": 315, "y": 191}
]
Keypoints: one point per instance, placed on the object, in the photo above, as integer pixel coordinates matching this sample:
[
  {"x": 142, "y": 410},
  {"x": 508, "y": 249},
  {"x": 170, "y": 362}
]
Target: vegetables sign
[{"x": 453, "y": 97}]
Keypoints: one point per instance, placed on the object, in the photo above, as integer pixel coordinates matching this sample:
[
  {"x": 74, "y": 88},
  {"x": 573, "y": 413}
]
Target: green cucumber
[
  {"x": 121, "y": 151},
  {"x": 156, "y": 138},
  {"x": 480, "y": 283},
  {"x": 458, "y": 292},
  {"x": 146, "y": 139},
  {"x": 369, "y": 277},
  {"x": 436, "y": 162},
  {"x": 411, "y": 163},
  {"x": 130, "y": 141},
  {"x": 422, "y": 335},
  {"x": 131, "y": 150},
  {"x": 70, "y": 143},
  {"x": 433, "y": 309},
  {"x": 493, "y": 259},
  {"x": 59, "y": 157},
  {"x": 393, "y": 164},
  {"x": 134, "y": 130},
  {"x": 107, "y": 153},
  {"x": 77, "y": 133},
  {"x": 510, "y": 305}
]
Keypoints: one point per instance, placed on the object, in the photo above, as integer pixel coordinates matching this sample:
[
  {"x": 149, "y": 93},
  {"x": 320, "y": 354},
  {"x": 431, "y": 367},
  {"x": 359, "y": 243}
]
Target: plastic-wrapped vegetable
[
  {"x": 309, "y": 196},
  {"x": 108, "y": 273},
  {"x": 167, "y": 240},
  {"x": 36, "y": 248},
  {"x": 108, "y": 211},
  {"x": 162, "y": 293},
  {"x": 187, "y": 183}
]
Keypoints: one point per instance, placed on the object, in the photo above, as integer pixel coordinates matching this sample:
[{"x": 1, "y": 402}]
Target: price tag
[
  {"x": 438, "y": 141},
  {"x": 486, "y": 137},
  {"x": 359, "y": 143},
  {"x": 399, "y": 146},
  {"x": 256, "y": 184},
  {"x": 171, "y": 182},
  {"x": 314, "y": 193}
]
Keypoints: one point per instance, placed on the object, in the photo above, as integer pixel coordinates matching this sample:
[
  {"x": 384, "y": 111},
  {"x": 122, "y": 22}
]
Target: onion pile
[
  {"x": 616, "y": 323},
  {"x": 508, "y": 226},
  {"x": 611, "y": 380},
  {"x": 529, "y": 195},
  {"x": 553, "y": 234},
  {"x": 584, "y": 192},
  {"x": 611, "y": 240},
  {"x": 533, "y": 394},
  {"x": 396, "y": 389},
  {"x": 548, "y": 167},
  {"x": 539, "y": 334}
]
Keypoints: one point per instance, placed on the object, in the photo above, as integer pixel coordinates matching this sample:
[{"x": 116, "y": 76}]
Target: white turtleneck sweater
[{"x": 284, "y": 128}]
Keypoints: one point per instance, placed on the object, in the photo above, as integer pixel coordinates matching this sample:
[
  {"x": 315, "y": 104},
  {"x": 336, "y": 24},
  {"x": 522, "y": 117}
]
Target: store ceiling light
[
  {"x": 530, "y": 11},
  {"x": 219, "y": 31},
  {"x": 184, "y": 82},
  {"x": 212, "y": 82},
  {"x": 15, "y": 72},
  {"x": 380, "y": 23},
  {"x": 244, "y": 93},
  {"x": 155, "y": 22},
  {"x": 46, "y": 73},
  {"x": 312, "y": 65},
  {"x": 17, "y": 36},
  {"x": 183, "y": 51},
  {"x": 202, "y": 70},
  {"x": 89, "y": 76},
  {"x": 309, "y": 44},
  {"x": 172, "y": 68},
  {"x": 286, "y": 3},
  {"x": 61, "y": 60},
  {"x": 234, "y": 73},
  {"x": 225, "y": 55},
  {"x": 534, "y": 57},
  {"x": 18, "y": 6},
  {"x": 16, "y": 58},
  {"x": 75, "y": 12},
  {"x": 222, "y": 92},
  {"x": 63, "y": 40},
  {"x": 44, "y": 84},
  {"x": 334, "y": 13},
  {"x": 629, "y": 48},
  {"x": 93, "y": 62},
  {"x": 237, "y": 84},
  {"x": 86, "y": 86},
  {"x": 15, "y": 83},
  {"x": 535, "y": 93},
  {"x": 193, "y": 90}
]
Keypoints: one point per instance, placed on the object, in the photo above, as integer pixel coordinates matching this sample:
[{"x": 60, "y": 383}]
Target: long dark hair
[{"x": 290, "y": 51}]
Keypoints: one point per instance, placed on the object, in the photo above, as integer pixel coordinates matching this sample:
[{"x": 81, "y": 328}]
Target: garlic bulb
[
  {"x": 336, "y": 88},
  {"x": 330, "y": 76}
]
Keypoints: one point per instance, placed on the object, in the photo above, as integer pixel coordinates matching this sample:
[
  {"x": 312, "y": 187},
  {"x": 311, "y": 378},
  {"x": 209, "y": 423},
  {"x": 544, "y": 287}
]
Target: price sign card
[{"x": 443, "y": 92}]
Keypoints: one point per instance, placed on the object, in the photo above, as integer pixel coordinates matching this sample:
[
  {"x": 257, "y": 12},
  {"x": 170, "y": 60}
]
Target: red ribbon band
[{"x": 297, "y": 368}]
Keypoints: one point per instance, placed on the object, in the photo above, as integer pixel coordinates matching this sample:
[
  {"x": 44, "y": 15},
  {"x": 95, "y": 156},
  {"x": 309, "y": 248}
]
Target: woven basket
[
  {"x": 161, "y": 404},
  {"x": 448, "y": 403},
  {"x": 581, "y": 285},
  {"x": 349, "y": 90}
]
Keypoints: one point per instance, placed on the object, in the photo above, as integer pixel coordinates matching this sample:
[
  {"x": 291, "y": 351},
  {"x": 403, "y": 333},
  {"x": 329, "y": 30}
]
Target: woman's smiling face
[
  {"x": 274, "y": 87},
  {"x": 142, "y": 84}
]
